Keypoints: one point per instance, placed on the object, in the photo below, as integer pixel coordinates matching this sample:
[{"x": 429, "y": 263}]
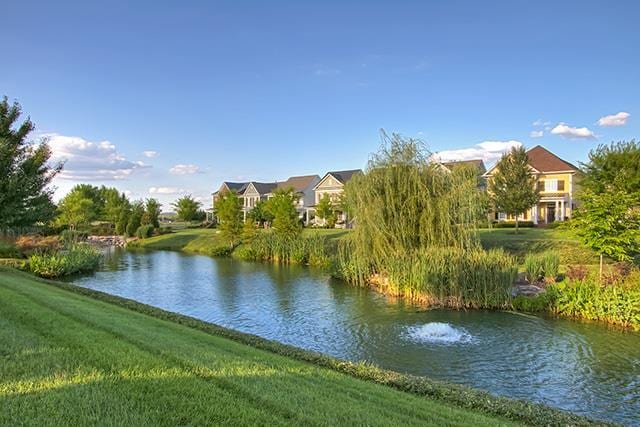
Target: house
[
  {"x": 332, "y": 184},
  {"x": 556, "y": 180},
  {"x": 303, "y": 187},
  {"x": 238, "y": 187},
  {"x": 253, "y": 193}
]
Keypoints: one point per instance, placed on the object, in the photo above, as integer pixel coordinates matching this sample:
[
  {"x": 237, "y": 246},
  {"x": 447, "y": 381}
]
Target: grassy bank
[
  {"x": 71, "y": 359},
  {"x": 536, "y": 241}
]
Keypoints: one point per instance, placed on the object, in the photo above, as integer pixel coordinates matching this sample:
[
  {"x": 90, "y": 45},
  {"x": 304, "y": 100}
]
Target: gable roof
[
  {"x": 298, "y": 183},
  {"x": 263, "y": 187},
  {"x": 477, "y": 163},
  {"x": 238, "y": 187},
  {"x": 341, "y": 176},
  {"x": 544, "y": 160}
]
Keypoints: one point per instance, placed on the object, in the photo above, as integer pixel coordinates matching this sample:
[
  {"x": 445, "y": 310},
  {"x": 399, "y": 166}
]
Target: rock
[{"x": 102, "y": 241}]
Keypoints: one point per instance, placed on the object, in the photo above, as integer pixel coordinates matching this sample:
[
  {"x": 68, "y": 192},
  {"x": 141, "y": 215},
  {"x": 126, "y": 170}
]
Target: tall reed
[{"x": 286, "y": 249}]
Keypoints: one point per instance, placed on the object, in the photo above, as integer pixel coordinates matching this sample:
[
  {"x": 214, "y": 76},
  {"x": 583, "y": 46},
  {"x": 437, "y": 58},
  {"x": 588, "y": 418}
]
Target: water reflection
[{"x": 584, "y": 368}]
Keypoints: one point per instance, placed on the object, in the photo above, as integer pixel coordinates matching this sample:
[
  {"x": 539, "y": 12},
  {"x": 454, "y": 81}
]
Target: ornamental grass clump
[
  {"x": 285, "y": 249},
  {"x": 416, "y": 231},
  {"x": 78, "y": 258},
  {"x": 542, "y": 267}
]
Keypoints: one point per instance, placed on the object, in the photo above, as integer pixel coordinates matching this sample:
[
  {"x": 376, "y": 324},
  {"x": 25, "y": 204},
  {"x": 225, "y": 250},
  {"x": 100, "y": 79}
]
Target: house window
[
  {"x": 551, "y": 185},
  {"x": 561, "y": 185},
  {"x": 502, "y": 216}
]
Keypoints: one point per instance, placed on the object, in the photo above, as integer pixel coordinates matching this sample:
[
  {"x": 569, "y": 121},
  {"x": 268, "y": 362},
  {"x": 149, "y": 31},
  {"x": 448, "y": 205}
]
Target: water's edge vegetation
[{"x": 456, "y": 395}]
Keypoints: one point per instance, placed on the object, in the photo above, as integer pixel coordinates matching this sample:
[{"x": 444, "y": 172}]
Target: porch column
[
  {"x": 556, "y": 210},
  {"x": 534, "y": 214},
  {"x": 562, "y": 210}
]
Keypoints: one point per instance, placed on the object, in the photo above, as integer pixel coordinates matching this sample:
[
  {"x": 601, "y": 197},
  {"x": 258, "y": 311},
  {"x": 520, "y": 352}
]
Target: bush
[
  {"x": 78, "y": 258},
  {"x": 73, "y": 236},
  {"x": 102, "y": 229},
  {"x": 534, "y": 304},
  {"x": 618, "y": 304},
  {"x": 29, "y": 245},
  {"x": 512, "y": 224},
  {"x": 144, "y": 231},
  {"x": 577, "y": 272},
  {"x": 539, "y": 267},
  {"x": 165, "y": 230},
  {"x": 9, "y": 250}
]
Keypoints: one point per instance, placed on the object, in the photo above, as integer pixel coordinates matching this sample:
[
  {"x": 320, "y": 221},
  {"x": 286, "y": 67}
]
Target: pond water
[{"x": 588, "y": 369}]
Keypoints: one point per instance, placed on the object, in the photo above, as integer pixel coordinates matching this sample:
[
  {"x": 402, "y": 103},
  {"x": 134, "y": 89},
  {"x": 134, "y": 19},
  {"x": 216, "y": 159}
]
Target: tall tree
[
  {"x": 229, "y": 212},
  {"x": 187, "y": 208},
  {"x": 285, "y": 215},
  {"x": 259, "y": 213},
  {"x": 513, "y": 188},
  {"x": 608, "y": 220},
  {"x": 152, "y": 213},
  {"x": 25, "y": 173},
  {"x": 135, "y": 217},
  {"x": 76, "y": 210}
]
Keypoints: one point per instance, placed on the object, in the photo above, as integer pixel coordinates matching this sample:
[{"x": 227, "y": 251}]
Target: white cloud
[
  {"x": 150, "y": 154},
  {"x": 619, "y": 119},
  {"x": 88, "y": 160},
  {"x": 166, "y": 190},
  {"x": 322, "y": 71},
  {"x": 539, "y": 122},
  {"x": 536, "y": 133},
  {"x": 184, "y": 169},
  {"x": 489, "y": 151},
  {"x": 567, "y": 131}
]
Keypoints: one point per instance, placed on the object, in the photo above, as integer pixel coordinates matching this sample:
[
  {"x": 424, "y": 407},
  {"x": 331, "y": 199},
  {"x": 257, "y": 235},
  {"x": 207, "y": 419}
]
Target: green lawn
[
  {"x": 537, "y": 240},
  {"x": 68, "y": 359}
]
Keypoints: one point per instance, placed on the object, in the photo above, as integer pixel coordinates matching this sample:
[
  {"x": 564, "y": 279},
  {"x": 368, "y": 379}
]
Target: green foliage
[
  {"x": 79, "y": 258},
  {"x": 152, "y": 213},
  {"x": 285, "y": 216},
  {"x": 76, "y": 209},
  {"x": 449, "y": 277},
  {"x": 25, "y": 173},
  {"x": 539, "y": 267},
  {"x": 609, "y": 223},
  {"x": 259, "y": 213},
  {"x": 613, "y": 167},
  {"x": 513, "y": 188},
  {"x": 187, "y": 208},
  {"x": 70, "y": 237},
  {"x": 144, "y": 231},
  {"x": 123, "y": 220},
  {"x": 617, "y": 303},
  {"x": 9, "y": 250},
  {"x": 229, "y": 213},
  {"x": 135, "y": 218},
  {"x": 286, "y": 249},
  {"x": 543, "y": 302},
  {"x": 327, "y": 211},
  {"x": 248, "y": 230}
]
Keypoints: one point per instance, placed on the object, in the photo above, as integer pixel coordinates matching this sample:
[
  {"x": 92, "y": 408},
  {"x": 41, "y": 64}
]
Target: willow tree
[{"x": 405, "y": 203}]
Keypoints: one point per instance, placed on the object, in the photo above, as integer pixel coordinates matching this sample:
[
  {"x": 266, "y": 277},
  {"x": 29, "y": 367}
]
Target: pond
[{"x": 588, "y": 369}]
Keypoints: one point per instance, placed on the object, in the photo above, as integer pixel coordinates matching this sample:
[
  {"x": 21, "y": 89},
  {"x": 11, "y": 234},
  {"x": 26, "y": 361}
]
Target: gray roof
[
  {"x": 264, "y": 187},
  {"x": 238, "y": 187},
  {"x": 477, "y": 163},
  {"x": 344, "y": 176},
  {"x": 298, "y": 183}
]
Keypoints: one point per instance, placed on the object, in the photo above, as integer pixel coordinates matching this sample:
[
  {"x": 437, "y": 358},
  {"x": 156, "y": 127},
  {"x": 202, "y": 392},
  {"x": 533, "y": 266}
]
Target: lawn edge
[{"x": 453, "y": 394}]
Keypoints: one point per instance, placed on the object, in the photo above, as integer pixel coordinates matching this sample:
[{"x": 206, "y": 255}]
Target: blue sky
[{"x": 264, "y": 90}]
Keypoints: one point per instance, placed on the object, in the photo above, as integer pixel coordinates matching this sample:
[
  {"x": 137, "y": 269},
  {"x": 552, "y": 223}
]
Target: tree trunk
[
  {"x": 601, "y": 262},
  {"x": 516, "y": 223}
]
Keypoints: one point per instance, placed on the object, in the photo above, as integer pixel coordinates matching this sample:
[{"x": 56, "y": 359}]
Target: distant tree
[
  {"x": 608, "y": 220},
  {"x": 325, "y": 210},
  {"x": 25, "y": 173},
  {"x": 152, "y": 213},
  {"x": 135, "y": 217},
  {"x": 187, "y": 208},
  {"x": 76, "y": 210},
  {"x": 613, "y": 167},
  {"x": 285, "y": 215},
  {"x": 513, "y": 188},
  {"x": 229, "y": 213},
  {"x": 123, "y": 221}
]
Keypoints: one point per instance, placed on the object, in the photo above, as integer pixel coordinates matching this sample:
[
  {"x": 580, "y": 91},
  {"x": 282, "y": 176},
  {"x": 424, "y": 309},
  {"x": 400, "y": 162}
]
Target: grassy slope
[
  {"x": 536, "y": 240},
  {"x": 69, "y": 359}
]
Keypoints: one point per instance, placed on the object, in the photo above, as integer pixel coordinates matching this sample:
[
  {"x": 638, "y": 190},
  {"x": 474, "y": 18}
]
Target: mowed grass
[
  {"x": 538, "y": 240},
  {"x": 67, "y": 359}
]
